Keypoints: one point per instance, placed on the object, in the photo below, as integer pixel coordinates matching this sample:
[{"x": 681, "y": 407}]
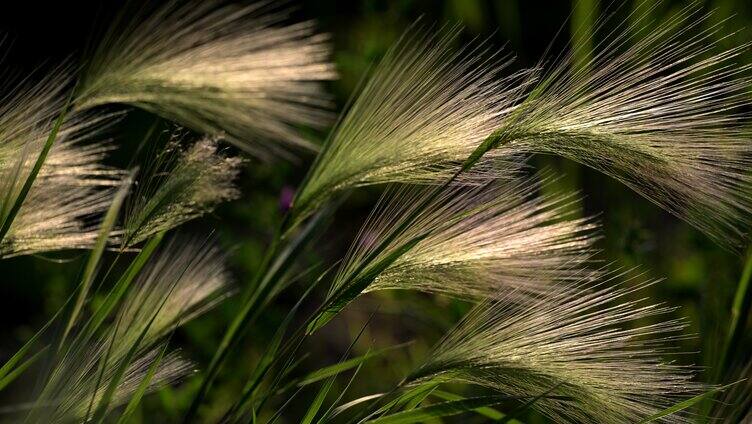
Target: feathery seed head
[
  {"x": 664, "y": 114},
  {"x": 222, "y": 70},
  {"x": 185, "y": 280},
  {"x": 475, "y": 242},
  {"x": 424, "y": 109},
  {"x": 587, "y": 351},
  {"x": 182, "y": 185},
  {"x": 72, "y": 188}
]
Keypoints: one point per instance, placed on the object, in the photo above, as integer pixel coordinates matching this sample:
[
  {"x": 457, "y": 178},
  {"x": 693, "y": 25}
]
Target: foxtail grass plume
[
  {"x": 665, "y": 114},
  {"x": 425, "y": 107},
  {"x": 589, "y": 353},
  {"x": 76, "y": 398},
  {"x": 182, "y": 184},
  {"x": 234, "y": 71},
  {"x": 475, "y": 242},
  {"x": 72, "y": 188},
  {"x": 186, "y": 279}
]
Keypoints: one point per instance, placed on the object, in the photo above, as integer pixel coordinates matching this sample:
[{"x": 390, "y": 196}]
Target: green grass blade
[
  {"x": 439, "y": 410},
  {"x": 11, "y": 215},
  {"x": 321, "y": 395},
  {"x": 96, "y": 253},
  {"x": 416, "y": 401},
  {"x": 685, "y": 404},
  {"x": 335, "y": 369},
  {"x": 325, "y": 417},
  {"x": 352, "y": 289},
  {"x": 8, "y": 377},
  {"x": 120, "y": 288},
  {"x": 740, "y": 311},
  {"x": 253, "y": 300},
  {"x": 486, "y": 411},
  {"x": 266, "y": 361},
  {"x": 344, "y": 407},
  {"x": 9, "y": 365},
  {"x": 397, "y": 403},
  {"x": 102, "y": 407},
  {"x": 318, "y": 401},
  {"x": 143, "y": 385}
]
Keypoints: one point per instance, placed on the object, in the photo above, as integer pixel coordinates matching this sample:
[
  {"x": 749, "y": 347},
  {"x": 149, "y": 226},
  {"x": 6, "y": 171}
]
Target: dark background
[{"x": 699, "y": 276}]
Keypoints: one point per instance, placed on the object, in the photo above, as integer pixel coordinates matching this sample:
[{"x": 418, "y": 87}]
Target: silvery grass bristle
[
  {"x": 478, "y": 241},
  {"x": 664, "y": 114},
  {"x": 186, "y": 279},
  {"x": 78, "y": 393},
  {"x": 735, "y": 406},
  {"x": 220, "y": 69},
  {"x": 72, "y": 188},
  {"x": 181, "y": 184},
  {"x": 425, "y": 107},
  {"x": 590, "y": 350}
]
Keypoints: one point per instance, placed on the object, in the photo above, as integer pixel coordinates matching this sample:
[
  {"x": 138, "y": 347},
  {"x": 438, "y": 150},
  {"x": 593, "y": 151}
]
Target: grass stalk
[
  {"x": 11, "y": 216},
  {"x": 740, "y": 311}
]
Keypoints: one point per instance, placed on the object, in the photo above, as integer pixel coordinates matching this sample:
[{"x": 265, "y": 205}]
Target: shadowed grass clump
[{"x": 186, "y": 279}]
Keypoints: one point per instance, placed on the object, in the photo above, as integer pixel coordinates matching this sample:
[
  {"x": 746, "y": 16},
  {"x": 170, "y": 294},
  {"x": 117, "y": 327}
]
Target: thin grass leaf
[
  {"x": 261, "y": 291},
  {"x": 122, "y": 286},
  {"x": 96, "y": 253},
  {"x": 318, "y": 401},
  {"x": 9, "y": 366},
  {"x": 133, "y": 403},
  {"x": 683, "y": 405},
  {"x": 337, "y": 368},
  {"x": 355, "y": 402},
  {"x": 443, "y": 409},
  {"x": 328, "y": 413},
  {"x": 485, "y": 411},
  {"x": 404, "y": 396},
  {"x": 348, "y": 291},
  {"x": 17, "y": 370},
  {"x": 740, "y": 311},
  {"x": 735, "y": 406},
  {"x": 187, "y": 278},
  {"x": 264, "y": 364},
  {"x": 417, "y": 400}
]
